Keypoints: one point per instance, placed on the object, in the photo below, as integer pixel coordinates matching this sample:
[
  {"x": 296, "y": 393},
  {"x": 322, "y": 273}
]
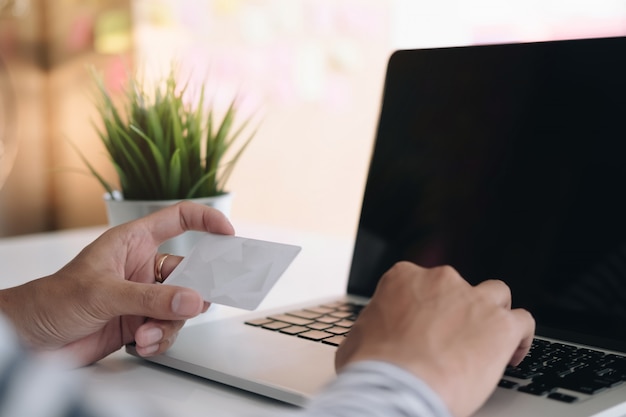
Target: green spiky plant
[{"x": 163, "y": 147}]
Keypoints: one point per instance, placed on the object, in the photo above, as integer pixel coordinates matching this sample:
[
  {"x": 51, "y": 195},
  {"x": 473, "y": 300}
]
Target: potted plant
[{"x": 166, "y": 147}]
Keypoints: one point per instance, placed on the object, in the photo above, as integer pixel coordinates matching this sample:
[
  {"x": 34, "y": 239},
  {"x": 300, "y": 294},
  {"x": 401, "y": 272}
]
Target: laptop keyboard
[
  {"x": 565, "y": 372},
  {"x": 325, "y": 323},
  {"x": 556, "y": 371}
]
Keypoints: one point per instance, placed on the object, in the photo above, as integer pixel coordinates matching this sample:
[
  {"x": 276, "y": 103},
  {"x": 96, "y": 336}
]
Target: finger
[
  {"x": 153, "y": 333},
  {"x": 496, "y": 291},
  {"x": 165, "y": 263},
  {"x": 156, "y": 349},
  {"x": 181, "y": 217},
  {"x": 526, "y": 325},
  {"x": 164, "y": 302}
]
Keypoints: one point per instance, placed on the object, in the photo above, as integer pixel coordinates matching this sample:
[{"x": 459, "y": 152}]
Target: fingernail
[
  {"x": 185, "y": 304},
  {"x": 152, "y": 336},
  {"x": 148, "y": 349}
]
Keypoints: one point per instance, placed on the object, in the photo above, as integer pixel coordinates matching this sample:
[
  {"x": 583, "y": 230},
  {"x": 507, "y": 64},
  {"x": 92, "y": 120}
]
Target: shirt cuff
[{"x": 375, "y": 388}]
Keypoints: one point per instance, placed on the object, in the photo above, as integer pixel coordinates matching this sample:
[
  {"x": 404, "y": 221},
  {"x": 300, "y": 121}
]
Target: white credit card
[{"x": 232, "y": 270}]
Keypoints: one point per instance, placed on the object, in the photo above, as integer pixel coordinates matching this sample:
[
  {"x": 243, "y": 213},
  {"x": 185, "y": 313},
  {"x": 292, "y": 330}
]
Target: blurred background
[{"x": 315, "y": 67}]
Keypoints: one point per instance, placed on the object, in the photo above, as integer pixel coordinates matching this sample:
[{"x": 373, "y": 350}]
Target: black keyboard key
[
  {"x": 505, "y": 383},
  {"x": 563, "y": 397},
  {"x": 305, "y": 314},
  {"x": 338, "y": 330},
  {"x": 320, "y": 310},
  {"x": 590, "y": 352},
  {"x": 615, "y": 363},
  {"x": 327, "y": 319},
  {"x": 297, "y": 321},
  {"x": 327, "y": 323},
  {"x": 562, "y": 346},
  {"x": 558, "y": 365},
  {"x": 516, "y": 372},
  {"x": 578, "y": 366},
  {"x": 294, "y": 329},
  {"x": 275, "y": 325},
  {"x": 586, "y": 382},
  {"x": 258, "y": 322},
  {"x": 537, "y": 388},
  {"x": 319, "y": 326},
  {"x": 335, "y": 340},
  {"x": 315, "y": 335},
  {"x": 583, "y": 384},
  {"x": 608, "y": 374}
]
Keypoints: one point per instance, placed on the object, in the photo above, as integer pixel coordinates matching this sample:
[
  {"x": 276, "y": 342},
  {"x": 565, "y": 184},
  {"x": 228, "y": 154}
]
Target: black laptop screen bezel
[{"x": 506, "y": 161}]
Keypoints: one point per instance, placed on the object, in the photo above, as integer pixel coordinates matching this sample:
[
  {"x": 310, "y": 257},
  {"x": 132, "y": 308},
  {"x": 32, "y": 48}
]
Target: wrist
[{"x": 17, "y": 305}]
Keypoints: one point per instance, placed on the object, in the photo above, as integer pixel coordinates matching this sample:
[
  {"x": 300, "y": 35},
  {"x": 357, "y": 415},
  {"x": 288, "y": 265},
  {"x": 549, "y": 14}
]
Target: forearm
[
  {"x": 10, "y": 299},
  {"x": 376, "y": 389},
  {"x": 21, "y": 305}
]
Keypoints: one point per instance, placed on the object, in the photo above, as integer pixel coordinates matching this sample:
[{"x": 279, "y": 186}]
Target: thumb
[{"x": 163, "y": 302}]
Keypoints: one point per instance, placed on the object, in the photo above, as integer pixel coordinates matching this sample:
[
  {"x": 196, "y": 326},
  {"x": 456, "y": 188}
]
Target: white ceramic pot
[{"x": 122, "y": 211}]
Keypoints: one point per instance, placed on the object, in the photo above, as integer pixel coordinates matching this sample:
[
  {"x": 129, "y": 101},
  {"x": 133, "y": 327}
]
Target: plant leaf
[
  {"x": 174, "y": 177},
  {"x": 158, "y": 157},
  {"x": 205, "y": 179},
  {"x": 132, "y": 162},
  {"x": 164, "y": 146}
]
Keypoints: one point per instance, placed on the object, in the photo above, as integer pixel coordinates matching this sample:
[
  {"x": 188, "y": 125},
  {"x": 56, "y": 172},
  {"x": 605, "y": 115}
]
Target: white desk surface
[{"x": 320, "y": 270}]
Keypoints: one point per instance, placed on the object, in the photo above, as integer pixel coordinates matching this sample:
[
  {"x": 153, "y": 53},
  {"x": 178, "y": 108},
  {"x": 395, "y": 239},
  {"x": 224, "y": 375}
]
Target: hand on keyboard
[{"x": 455, "y": 337}]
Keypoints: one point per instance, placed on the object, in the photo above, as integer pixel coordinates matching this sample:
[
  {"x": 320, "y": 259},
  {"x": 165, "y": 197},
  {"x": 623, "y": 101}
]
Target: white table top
[{"x": 320, "y": 270}]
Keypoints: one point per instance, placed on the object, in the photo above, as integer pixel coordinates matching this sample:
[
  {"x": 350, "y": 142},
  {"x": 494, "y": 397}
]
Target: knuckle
[
  {"x": 447, "y": 270},
  {"x": 500, "y": 284},
  {"x": 447, "y": 273},
  {"x": 397, "y": 271},
  {"x": 526, "y": 315},
  {"x": 503, "y": 286}
]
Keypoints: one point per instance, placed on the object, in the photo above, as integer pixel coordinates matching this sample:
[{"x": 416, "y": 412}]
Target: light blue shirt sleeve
[
  {"x": 372, "y": 388},
  {"x": 363, "y": 389},
  {"x": 42, "y": 387}
]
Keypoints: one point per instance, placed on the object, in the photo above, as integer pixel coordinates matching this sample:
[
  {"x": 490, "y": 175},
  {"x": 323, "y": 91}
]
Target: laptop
[{"x": 505, "y": 161}]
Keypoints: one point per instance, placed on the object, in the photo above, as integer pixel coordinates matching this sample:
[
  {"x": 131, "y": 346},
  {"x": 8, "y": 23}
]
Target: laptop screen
[{"x": 508, "y": 162}]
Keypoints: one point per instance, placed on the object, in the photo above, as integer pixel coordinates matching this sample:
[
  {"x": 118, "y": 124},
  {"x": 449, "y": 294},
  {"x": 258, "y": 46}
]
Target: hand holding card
[{"x": 232, "y": 270}]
